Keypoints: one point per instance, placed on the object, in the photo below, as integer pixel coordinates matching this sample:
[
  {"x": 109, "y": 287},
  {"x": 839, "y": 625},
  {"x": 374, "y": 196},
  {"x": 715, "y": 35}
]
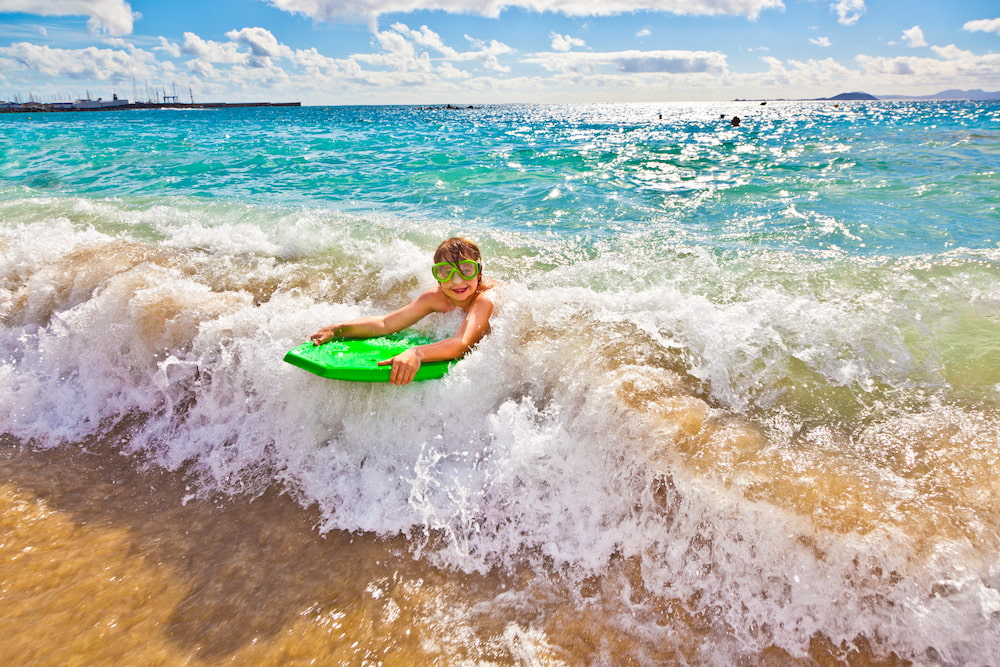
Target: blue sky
[{"x": 487, "y": 51}]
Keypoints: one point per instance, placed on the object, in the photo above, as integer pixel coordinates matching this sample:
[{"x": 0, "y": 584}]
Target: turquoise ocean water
[{"x": 746, "y": 378}]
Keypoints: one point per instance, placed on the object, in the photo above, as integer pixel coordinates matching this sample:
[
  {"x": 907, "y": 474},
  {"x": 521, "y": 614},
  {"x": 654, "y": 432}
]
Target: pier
[{"x": 119, "y": 105}]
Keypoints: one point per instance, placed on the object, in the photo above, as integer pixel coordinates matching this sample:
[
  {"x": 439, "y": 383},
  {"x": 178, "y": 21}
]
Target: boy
[{"x": 458, "y": 270}]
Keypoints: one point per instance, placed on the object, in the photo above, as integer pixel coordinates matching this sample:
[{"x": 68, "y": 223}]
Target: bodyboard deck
[{"x": 356, "y": 360}]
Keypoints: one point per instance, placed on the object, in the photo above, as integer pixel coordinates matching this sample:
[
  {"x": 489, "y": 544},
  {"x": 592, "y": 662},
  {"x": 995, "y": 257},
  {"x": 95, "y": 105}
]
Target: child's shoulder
[
  {"x": 488, "y": 284},
  {"x": 435, "y": 299}
]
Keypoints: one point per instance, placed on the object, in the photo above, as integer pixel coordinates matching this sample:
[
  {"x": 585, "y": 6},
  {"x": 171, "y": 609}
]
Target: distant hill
[
  {"x": 953, "y": 94},
  {"x": 843, "y": 97}
]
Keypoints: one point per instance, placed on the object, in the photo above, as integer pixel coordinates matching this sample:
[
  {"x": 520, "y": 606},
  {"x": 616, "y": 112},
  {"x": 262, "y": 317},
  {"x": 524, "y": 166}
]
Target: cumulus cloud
[
  {"x": 170, "y": 48},
  {"x": 426, "y": 37},
  {"x": 314, "y": 61},
  {"x": 396, "y": 44},
  {"x": 983, "y": 25},
  {"x": 261, "y": 42},
  {"x": 88, "y": 63},
  {"x": 820, "y": 41},
  {"x": 565, "y": 42},
  {"x": 251, "y": 48},
  {"x": 326, "y": 10},
  {"x": 848, "y": 11},
  {"x": 448, "y": 71},
  {"x": 820, "y": 74},
  {"x": 253, "y": 60},
  {"x": 953, "y": 67},
  {"x": 633, "y": 62},
  {"x": 645, "y": 32},
  {"x": 209, "y": 51},
  {"x": 952, "y": 52},
  {"x": 915, "y": 37},
  {"x": 671, "y": 62},
  {"x": 488, "y": 53},
  {"x": 405, "y": 50},
  {"x": 113, "y": 17}
]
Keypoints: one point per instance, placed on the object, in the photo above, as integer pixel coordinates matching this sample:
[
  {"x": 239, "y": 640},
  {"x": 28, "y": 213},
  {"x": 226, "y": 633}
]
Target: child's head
[
  {"x": 457, "y": 258},
  {"x": 456, "y": 249}
]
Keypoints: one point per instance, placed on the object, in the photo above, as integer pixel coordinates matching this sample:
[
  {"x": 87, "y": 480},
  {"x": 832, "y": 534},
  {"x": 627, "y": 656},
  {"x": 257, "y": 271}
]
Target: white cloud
[
  {"x": 448, "y": 71},
  {"x": 983, "y": 25},
  {"x": 406, "y": 50},
  {"x": 114, "y": 17},
  {"x": 915, "y": 36},
  {"x": 249, "y": 58},
  {"x": 645, "y": 32},
  {"x": 399, "y": 53},
  {"x": 488, "y": 54},
  {"x": 314, "y": 61},
  {"x": 809, "y": 74},
  {"x": 261, "y": 42},
  {"x": 170, "y": 48},
  {"x": 953, "y": 68},
  {"x": 327, "y": 10},
  {"x": 633, "y": 62},
  {"x": 565, "y": 42},
  {"x": 88, "y": 63},
  {"x": 261, "y": 46},
  {"x": 426, "y": 37},
  {"x": 208, "y": 51},
  {"x": 952, "y": 52},
  {"x": 202, "y": 69},
  {"x": 402, "y": 51},
  {"x": 848, "y": 11},
  {"x": 820, "y": 41},
  {"x": 395, "y": 44}
]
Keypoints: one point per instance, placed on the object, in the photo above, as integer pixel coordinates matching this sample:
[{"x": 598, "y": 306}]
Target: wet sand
[{"x": 105, "y": 561}]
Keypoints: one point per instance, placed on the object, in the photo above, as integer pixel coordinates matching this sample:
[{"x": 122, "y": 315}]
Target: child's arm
[
  {"x": 368, "y": 327},
  {"x": 475, "y": 325}
]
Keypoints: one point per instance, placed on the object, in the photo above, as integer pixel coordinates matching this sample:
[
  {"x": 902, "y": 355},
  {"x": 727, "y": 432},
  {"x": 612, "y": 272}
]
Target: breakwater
[{"x": 39, "y": 107}]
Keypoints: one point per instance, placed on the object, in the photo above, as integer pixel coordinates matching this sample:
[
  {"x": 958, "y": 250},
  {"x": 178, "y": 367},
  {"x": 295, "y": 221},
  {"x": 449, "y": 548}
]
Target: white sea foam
[{"x": 553, "y": 441}]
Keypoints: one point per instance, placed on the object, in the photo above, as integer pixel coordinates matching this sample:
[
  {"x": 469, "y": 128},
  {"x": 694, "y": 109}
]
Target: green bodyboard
[{"x": 356, "y": 360}]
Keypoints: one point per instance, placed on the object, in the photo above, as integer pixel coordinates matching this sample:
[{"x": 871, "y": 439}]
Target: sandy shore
[
  {"x": 107, "y": 561},
  {"x": 104, "y": 562}
]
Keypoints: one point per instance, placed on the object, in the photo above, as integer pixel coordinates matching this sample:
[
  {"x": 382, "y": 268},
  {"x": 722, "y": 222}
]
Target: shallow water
[{"x": 739, "y": 404}]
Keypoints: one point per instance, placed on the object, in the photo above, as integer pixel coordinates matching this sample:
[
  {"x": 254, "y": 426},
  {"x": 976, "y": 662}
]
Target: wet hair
[{"x": 456, "y": 249}]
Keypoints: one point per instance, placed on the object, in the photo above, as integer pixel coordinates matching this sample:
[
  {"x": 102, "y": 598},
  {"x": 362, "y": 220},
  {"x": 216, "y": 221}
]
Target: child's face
[{"x": 458, "y": 286}]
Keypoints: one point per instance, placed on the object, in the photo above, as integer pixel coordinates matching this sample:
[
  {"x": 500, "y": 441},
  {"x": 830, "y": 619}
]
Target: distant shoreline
[
  {"x": 38, "y": 107},
  {"x": 952, "y": 95}
]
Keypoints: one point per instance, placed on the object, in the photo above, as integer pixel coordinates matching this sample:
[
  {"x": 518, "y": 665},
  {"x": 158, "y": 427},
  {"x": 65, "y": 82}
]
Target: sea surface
[{"x": 740, "y": 403}]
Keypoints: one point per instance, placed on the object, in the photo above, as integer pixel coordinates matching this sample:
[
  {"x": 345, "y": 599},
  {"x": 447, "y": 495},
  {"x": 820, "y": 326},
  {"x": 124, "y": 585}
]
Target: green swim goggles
[{"x": 466, "y": 269}]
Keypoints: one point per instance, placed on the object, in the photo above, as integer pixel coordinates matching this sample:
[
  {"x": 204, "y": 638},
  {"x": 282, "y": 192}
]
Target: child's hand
[
  {"x": 324, "y": 334},
  {"x": 404, "y": 366}
]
